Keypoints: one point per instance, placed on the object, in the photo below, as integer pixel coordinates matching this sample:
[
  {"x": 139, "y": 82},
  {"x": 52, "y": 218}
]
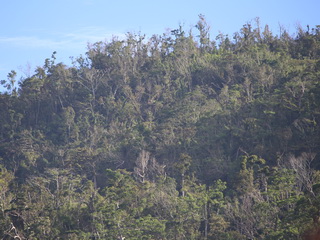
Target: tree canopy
[{"x": 176, "y": 136}]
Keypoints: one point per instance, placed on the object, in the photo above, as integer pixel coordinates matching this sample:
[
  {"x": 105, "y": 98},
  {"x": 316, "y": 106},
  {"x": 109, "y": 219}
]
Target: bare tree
[
  {"x": 304, "y": 173},
  {"x": 142, "y": 164},
  {"x": 147, "y": 166}
]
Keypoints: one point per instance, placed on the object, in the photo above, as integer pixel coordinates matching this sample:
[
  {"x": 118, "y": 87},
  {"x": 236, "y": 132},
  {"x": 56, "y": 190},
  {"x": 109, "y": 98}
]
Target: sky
[{"x": 31, "y": 30}]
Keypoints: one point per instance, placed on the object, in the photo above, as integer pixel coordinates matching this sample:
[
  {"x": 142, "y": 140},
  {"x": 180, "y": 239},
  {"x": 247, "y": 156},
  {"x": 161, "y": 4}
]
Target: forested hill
[{"x": 178, "y": 136}]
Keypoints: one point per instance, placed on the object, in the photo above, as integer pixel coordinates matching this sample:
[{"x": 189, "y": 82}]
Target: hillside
[{"x": 173, "y": 137}]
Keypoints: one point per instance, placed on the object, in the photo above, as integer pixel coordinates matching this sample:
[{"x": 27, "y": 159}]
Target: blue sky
[{"x": 32, "y": 29}]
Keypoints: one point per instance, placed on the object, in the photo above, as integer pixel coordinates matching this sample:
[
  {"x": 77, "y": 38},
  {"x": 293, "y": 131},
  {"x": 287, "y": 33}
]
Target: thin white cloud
[
  {"x": 92, "y": 34},
  {"x": 30, "y": 41},
  {"x": 74, "y": 40}
]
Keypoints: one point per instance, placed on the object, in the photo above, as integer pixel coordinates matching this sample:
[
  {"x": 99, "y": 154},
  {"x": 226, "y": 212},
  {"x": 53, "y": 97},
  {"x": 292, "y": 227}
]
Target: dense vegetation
[{"x": 173, "y": 137}]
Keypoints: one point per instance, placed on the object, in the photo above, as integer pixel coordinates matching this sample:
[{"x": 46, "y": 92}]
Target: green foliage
[{"x": 172, "y": 137}]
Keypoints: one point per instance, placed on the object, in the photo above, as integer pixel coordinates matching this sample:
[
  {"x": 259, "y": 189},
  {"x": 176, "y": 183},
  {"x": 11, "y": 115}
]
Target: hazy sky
[{"x": 32, "y": 29}]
